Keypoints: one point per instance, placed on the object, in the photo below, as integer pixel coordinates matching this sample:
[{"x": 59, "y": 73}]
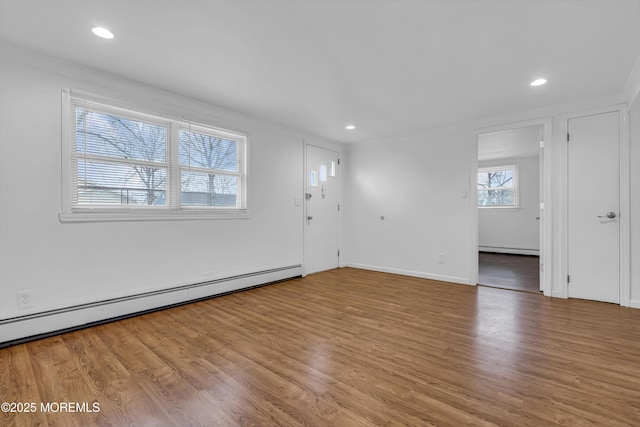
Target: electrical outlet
[
  {"x": 24, "y": 299},
  {"x": 440, "y": 258}
]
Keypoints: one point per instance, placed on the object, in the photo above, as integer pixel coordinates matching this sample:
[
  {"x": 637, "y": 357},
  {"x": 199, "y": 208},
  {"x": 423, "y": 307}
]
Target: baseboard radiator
[
  {"x": 503, "y": 250},
  {"x": 26, "y": 328}
]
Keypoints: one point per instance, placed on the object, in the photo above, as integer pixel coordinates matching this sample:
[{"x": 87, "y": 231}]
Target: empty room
[{"x": 320, "y": 213}]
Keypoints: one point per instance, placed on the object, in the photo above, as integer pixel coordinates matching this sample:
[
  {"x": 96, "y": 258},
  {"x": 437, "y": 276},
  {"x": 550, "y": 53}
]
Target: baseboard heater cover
[
  {"x": 20, "y": 329},
  {"x": 503, "y": 250}
]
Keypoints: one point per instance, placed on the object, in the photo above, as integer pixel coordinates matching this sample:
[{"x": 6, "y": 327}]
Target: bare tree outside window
[
  {"x": 134, "y": 164},
  {"x": 123, "y": 162},
  {"x": 496, "y": 187},
  {"x": 209, "y": 169}
]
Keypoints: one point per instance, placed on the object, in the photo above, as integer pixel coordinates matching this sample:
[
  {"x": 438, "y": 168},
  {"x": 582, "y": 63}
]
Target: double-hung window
[
  {"x": 210, "y": 170},
  {"x": 125, "y": 164},
  {"x": 498, "y": 187}
]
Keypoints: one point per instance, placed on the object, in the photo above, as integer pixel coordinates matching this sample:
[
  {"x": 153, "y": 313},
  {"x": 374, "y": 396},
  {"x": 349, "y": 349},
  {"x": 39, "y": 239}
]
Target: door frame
[
  {"x": 625, "y": 199},
  {"x": 305, "y": 179},
  {"x": 546, "y": 259}
]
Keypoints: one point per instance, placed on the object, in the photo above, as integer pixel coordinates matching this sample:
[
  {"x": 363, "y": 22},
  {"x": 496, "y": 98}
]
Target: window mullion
[
  {"x": 211, "y": 171},
  {"x": 496, "y": 189},
  {"x": 241, "y": 178},
  {"x": 173, "y": 147},
  {"x": 118, "y": 160}
]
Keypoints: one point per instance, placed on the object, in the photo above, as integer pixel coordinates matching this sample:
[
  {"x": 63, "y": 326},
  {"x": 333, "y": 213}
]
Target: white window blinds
[{"x": 118, "y": 159}]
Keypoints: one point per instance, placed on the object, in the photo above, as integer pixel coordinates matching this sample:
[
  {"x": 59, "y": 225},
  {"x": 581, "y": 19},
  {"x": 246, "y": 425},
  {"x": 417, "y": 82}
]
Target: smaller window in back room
[{"x": 498, "y": 187}]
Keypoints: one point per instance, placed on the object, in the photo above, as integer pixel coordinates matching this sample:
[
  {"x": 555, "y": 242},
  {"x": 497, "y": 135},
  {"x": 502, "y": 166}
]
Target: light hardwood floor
[{"x": 342, "y": 348}]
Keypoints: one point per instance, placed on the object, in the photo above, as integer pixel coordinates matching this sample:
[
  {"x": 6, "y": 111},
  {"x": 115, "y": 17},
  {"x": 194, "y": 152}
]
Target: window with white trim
[
  {"x": 210, "y": 168},
  {"x": 498, "y": 187},
  {"x": 129, "y": 163}
]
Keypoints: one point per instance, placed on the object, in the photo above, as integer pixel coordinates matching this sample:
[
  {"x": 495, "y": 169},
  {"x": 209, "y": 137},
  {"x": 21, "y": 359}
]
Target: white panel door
[
  {"x": 322, "y": 210},
  {"x": 594, "y": 207}
]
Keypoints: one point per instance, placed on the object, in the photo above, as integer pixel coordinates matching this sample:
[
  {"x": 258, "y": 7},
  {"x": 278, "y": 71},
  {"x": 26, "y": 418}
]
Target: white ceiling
[
  {"x": 391, "y": 67},
  {"x": 510, "y": 144}
]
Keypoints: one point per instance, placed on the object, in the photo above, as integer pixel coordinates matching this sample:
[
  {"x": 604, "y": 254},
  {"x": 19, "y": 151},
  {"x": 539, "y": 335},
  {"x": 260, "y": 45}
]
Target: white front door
[
  {"x": 594, "y": 207},
  {"x": 322, "y": 210}
]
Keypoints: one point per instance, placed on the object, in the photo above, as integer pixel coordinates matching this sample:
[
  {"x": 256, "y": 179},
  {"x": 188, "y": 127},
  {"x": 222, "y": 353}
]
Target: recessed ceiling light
[
  {"x": 538, "y": 82},
  {"x": 350, "y": 127},
  {"x": 102, "y": 32}
]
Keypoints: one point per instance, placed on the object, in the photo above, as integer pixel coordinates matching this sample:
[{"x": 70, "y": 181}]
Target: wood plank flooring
[
  {"x": 342, "y": 348},
  {"x": 507, "y": 271}
]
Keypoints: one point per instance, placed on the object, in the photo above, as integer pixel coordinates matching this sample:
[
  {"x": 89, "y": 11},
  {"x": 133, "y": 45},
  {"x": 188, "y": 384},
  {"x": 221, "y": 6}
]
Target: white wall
[
  {"x": 420, "y": 185},
  {"x": 513, "y": 230},
  {"x": 417, "y": 182},
  {"x": 67, "y": 264}
]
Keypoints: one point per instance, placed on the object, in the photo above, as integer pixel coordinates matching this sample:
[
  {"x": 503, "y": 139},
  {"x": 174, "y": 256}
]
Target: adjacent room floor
[{"x": 506, "y": 271}]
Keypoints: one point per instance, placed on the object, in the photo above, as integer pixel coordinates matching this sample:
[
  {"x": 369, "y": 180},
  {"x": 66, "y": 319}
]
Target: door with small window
[{"x": 322, "y": 209}]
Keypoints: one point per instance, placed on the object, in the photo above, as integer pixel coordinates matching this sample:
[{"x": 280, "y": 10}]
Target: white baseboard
[
  {"x": 634, "y": 303},
  {"x": 60, "y": 319},
  {"x": 441, "y": 278},
  {"x": 514, "y": 251}
]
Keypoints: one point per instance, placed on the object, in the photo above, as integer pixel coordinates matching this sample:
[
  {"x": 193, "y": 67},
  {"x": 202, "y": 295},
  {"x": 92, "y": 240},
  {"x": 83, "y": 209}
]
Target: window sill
[{"x": 183, "y": 215}]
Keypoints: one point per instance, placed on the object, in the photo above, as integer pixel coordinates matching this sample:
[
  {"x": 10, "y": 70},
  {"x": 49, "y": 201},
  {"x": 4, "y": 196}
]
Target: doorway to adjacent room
[{"x": 509, "y": 217}]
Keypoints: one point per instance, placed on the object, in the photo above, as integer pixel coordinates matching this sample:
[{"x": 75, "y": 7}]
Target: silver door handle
[
  {"x": 309, "y": 217},
  {"x": 609, "y": 215}
]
